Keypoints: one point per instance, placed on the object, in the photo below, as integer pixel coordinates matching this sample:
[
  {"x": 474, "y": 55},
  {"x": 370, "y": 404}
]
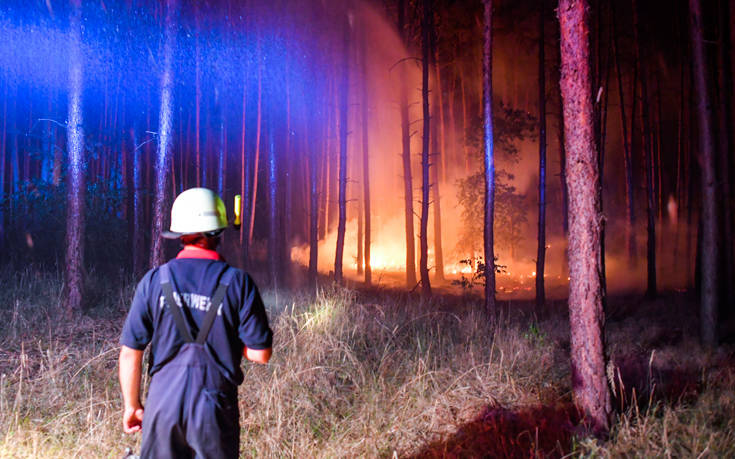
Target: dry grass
[{"x": 368, "y": 375}]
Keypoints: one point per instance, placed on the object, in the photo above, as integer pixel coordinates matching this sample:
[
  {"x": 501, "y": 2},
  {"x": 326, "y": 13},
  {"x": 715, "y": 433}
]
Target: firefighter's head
[{"x": 198, "y": 214}]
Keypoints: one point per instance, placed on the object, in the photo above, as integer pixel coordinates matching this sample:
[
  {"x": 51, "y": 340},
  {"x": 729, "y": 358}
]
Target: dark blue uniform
[{"x": 191, "y": 408}]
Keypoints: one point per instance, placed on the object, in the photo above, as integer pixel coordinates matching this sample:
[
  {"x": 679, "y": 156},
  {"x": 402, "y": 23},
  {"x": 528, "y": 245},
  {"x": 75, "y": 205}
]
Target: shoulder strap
[
  {"x": 214, "y": 305},
  {"x": 172, "y": 305}
]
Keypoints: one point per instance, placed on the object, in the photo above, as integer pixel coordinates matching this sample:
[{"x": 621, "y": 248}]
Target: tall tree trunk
[
  {"x": 222, "y": 146},
  {"x": 314, "y": 156},
  {"x": 164, "y": 133},
  {"x": 438, "y": 152},
  {"x": 244, "y": 179},
  {"x": 47, "y": 150},
  {"x": 627, "y": 158},
  {"x": 365, "y": 161},
  {"x": 541, "y": 249},
  {"x": 426, "y": 27},
  {"x": 274, "y": 235},
  {"x": 563, "y": 176},
  {"x": 287, "y": 175},
  {"x": 651, "y": 289},
  {"x": 137, "y": 208},
  {"x": 709, "y": 291},
  {"x": 406, "y": 156},
  {"x": 325, "y": 162},
  {"x": 602, "y": 134},
  {"x": 75, "y": 148},
  {"x": 197, "y": 99},
  {"x": 489, "y": 158},
  {"x": 256, "y": 159},
  {"x": 586, "y": 314},
  {"x": 343, "y": 99}
]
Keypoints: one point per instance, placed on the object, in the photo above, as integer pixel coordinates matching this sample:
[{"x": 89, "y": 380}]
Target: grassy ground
[{"x": 378, "y": 374}]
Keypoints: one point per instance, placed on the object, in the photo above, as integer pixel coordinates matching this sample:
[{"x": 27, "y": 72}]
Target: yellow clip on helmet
[{"x": 196, "y": 210}]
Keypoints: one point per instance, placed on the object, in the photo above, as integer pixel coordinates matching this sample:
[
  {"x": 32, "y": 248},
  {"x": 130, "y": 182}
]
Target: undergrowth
[{"x": 367, "y": 374}]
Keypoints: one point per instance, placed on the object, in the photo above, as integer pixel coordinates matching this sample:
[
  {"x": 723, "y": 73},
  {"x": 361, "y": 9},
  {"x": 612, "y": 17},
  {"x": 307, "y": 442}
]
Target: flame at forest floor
[{"x": 515, "y": 278}]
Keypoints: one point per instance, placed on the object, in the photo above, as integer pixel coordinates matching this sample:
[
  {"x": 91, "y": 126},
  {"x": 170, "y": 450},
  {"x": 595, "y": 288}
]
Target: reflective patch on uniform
[{"x": 192, "y": 301}]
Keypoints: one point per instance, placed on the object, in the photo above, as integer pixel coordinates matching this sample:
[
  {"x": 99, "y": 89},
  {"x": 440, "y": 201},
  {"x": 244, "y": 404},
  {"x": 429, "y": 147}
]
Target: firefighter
[{"x": 200, "y": 317}]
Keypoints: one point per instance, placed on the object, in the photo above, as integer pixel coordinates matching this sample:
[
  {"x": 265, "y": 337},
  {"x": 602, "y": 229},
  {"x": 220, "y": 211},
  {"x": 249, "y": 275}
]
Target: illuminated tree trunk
[
  {"x": 138, "y": 213},
  {"x": 365, "y": 162},
  {"x": 244, "y": 179},
  {"x": 489, "y": 158},
  {"x": 407, "y": 174},
  {"x": 541, "y": 249},
  {"x": 651, "y": 289},
  {"x": 563, "y": 178},
  {"x": 197, "y": 99},
  {"x": 47, "y": 151},
  {"x": 75, "y": 149},
  {"x": 438, "y": 152},
  {"x": 327, "y": 158},
  {"x": 425, "y": 183},
  {"x": 709, "y": 257},
  {"x": 287, "y": 173},
  {"x": 222, "y": 147},
  {"x": 601, "y": 116},
  {"x": 163, "y": 155},
  {"x": 343, "y": 95},
  {"x": 628, "y": 157},
  {"x": 586, "y": 315},
  {"x": 274, "y": 237},
  {"x": 256, "y": 159},
  {"x": 314, "y": 156}
]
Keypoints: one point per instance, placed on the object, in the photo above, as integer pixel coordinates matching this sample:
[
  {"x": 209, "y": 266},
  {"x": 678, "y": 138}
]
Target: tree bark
[
  {"x": 438, "y": 152},
  {"x": 541, "y": 248},
  {"x": 426, "y": 27},
  {"x": 591, "y": 393},
  {"x": 407, "y": 173},
  {"x": 244, "y": 179},
  {"x": 365, "y": 162},
  {"x": 197, "y": 99},
  {"x": 343, "y": 99},
  {"x": 709, "y": 290},
  {"x": 137, "y": 208},
  {"x": 489, "y": 159},
  {"x": 222, "y": 148},
  {"x": 274, "y": 236},
  {"x": 164, "y": 133},
  {"x": 75, "y": 148},
  {"x": 314, "y": 157},
  {"x": 256, "y": 159},
  {"x": 651, "y": 289}
]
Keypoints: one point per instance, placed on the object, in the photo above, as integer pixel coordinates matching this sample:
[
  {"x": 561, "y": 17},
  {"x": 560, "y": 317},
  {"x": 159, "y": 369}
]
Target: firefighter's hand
[{"x": 132, "y": 419}]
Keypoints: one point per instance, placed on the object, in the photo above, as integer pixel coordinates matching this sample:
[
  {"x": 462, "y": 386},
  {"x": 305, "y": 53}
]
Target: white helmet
[{"x": 196, "y": 210}]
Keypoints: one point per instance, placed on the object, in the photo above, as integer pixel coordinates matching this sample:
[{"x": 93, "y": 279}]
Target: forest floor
[{"x": 378, "y": 373}]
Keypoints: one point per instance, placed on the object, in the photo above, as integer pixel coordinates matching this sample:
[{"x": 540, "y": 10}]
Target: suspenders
[{"x": 216, "y": 302}]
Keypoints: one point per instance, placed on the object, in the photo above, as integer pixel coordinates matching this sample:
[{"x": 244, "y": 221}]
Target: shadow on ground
[{"x": 543, "y": 431}]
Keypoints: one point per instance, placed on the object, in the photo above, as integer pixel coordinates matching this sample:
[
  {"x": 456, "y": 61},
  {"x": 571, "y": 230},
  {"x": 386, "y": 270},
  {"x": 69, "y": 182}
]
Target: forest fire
[{"x": 405, "y": 182}]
